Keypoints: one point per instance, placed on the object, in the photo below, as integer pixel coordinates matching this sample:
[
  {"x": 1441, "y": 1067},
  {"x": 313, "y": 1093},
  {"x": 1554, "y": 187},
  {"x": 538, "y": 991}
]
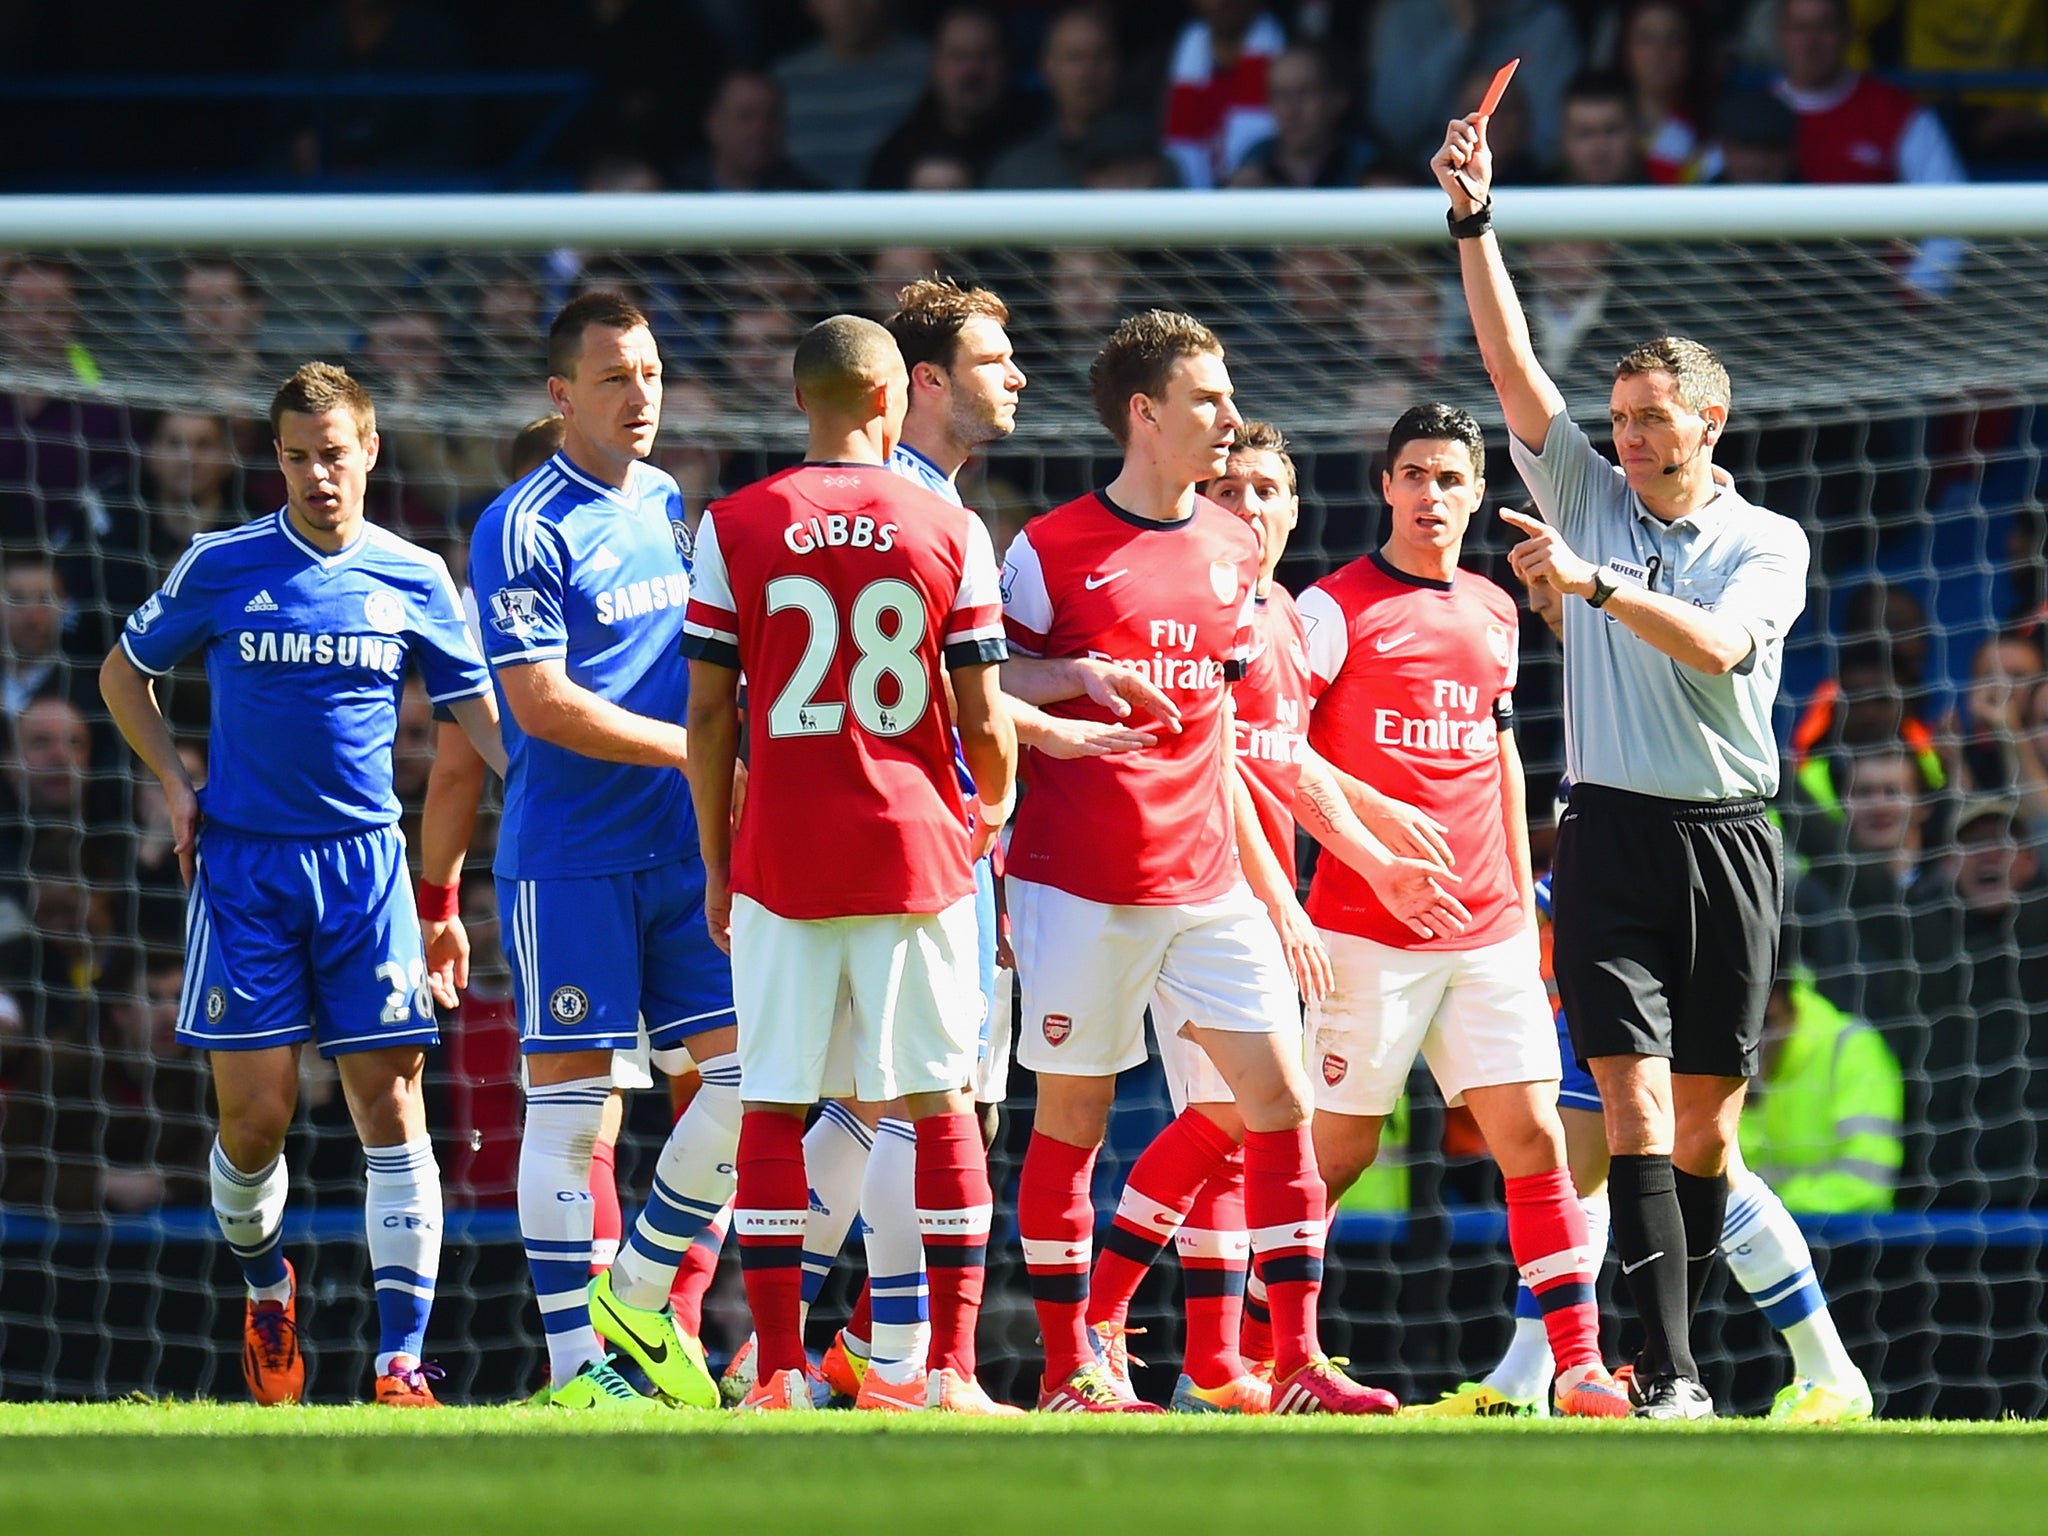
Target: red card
[{"x": 1499, "y": 88}]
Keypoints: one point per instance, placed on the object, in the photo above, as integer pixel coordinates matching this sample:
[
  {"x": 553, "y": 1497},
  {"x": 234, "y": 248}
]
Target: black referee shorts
[{"x": 1666, "y": 917}]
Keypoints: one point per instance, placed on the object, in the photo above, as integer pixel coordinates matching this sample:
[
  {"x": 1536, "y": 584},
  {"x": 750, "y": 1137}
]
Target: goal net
[{"x": 1887, "y": 396}]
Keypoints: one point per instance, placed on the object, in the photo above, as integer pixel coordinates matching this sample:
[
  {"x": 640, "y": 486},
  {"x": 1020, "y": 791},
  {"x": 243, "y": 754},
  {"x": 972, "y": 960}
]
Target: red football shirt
[
  {"x": 1413, "y": 682},
  {"x": 839, "y": 590},
  {"x": 1173, "y": 600},
  {"x": 1272, "y": 706}
]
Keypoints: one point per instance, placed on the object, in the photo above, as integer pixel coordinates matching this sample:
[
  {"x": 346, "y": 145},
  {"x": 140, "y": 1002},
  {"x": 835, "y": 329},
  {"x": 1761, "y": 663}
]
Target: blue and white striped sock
[
  {"x": 693, "y": 1179},
  {"x": 402, "y": 1217},
  {"x": 250, "y": 1210},
  {"x": 896, "y": 1282},
  {"x": 835, "y": 1161},
  {"x": 1768, "y": 1255},
  {"x": 555, "y": 1215}
]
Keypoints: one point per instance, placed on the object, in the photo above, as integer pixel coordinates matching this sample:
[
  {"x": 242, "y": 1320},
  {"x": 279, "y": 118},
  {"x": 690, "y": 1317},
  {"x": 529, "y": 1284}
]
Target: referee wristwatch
[{"x": 1604, "y": 587}]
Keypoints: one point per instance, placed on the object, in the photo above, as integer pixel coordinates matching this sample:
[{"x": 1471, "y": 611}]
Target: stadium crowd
[{"x": 1908, "y": 1055}]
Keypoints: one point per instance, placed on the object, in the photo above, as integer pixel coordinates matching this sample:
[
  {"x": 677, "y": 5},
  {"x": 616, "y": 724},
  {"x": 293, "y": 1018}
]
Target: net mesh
[{"x": 1884, "y": 397}]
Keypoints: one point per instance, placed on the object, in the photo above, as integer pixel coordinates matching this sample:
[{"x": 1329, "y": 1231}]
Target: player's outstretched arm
[
  {"x": 1120, "y": 690},
  {"x": 988, "y": 740},
  {"x": 1464, "y": 169},
  {"x": 1411, "y": 888},
  {"x": 1061, "y": 737},
  {"x": 455, "y": 784},
  {"x": 713, "y": 722},
  {"x": 551, "y": 707},
  {"x": 1273, "y": 883},
  {"x": 1407, "y": 832},
  {"x": 131, "y": 699}
]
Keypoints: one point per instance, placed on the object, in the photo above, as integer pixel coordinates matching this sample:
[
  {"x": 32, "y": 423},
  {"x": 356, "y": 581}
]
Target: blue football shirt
[
  {"x": 306, "y": 654},
  {"x": 567, "y": 568}
]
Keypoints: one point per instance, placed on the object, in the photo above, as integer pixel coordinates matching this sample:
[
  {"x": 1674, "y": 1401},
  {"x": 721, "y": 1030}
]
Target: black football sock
[
  {"x": 1703, "y": 1202},
  {"x": 1649, "y": 1240}
]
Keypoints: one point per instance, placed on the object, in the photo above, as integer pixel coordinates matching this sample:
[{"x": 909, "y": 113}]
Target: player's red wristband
[{"x": 438, "y": 903}]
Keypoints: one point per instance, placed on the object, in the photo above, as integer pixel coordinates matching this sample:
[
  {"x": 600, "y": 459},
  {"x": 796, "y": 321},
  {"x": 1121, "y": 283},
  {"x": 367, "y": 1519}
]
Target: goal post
[{"x": 1890, "y": 395}]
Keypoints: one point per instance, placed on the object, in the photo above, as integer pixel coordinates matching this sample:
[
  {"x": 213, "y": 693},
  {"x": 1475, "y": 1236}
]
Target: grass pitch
[{"x": 215, "y": 1468}]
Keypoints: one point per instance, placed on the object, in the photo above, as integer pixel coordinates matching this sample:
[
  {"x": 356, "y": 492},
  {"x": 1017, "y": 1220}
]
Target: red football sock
[
  {"x": 1158, "y": 1194},
  {"x": 769, "y": 1211},
  {"x": 1215, "y": 1250},
  {"x": 954, "y": 1210},
  {"x": 860, "y": 1327},
  {"x": 607, "y": 1221},
  {"x": 695, "y": 1274},
  {"x": 1255, "y": 1334},
  {"x": 1056, "y": 1224},
  {"x": 1283, "y": 1196},
  {"x": 1547, "y": 1235}
]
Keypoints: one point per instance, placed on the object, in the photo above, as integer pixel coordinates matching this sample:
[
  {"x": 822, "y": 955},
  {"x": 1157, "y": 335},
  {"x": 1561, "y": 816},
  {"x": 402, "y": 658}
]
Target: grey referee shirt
[{"x": 1633, "y": 717}]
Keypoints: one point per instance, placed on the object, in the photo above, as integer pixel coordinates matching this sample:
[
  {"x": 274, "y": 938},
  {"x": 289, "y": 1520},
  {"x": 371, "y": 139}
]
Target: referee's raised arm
[{"x": 1464, "y": 169}]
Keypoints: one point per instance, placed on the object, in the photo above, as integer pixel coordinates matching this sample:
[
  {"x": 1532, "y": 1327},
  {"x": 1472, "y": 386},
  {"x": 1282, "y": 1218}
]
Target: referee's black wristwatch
[{"x": 1604, "y": 587}]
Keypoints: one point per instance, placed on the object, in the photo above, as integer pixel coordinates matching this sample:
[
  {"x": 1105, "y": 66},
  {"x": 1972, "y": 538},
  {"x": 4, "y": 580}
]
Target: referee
[{"x": 1668, "y": 879}]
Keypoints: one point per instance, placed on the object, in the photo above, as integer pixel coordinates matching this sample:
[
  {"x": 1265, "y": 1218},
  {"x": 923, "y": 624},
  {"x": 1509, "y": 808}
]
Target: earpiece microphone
[{"x": 1705, "y": 438}]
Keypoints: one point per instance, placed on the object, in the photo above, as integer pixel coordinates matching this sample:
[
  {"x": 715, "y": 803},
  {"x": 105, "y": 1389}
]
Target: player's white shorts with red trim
[
  {"x": 1089, "y": 969},
  {"x": 1479, "y": 1017},
  {"x": 866, "y": 1007}
]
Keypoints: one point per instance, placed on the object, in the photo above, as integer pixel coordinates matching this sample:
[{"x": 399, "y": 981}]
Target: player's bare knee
[
  {"x": 1074, "y": 1110},
  {"x": 253, "y": 1134},
  {"x": 1346, "y": 1145}
]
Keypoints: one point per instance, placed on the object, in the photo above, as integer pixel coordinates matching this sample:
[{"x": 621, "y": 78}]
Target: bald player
[{"x": 849, "y": 597}]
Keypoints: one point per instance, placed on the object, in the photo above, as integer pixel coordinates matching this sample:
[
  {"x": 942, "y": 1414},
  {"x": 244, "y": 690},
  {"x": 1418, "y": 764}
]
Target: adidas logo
[
  {"x": 604, "y": 559},
  {"x": 262, "y": 602}
]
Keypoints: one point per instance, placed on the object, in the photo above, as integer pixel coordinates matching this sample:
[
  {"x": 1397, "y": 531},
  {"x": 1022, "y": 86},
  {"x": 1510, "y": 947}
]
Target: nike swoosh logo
[
  {"x": 1388, "y": 642},
  {"x": 1092, "y": 582},
  {"x": 1077, "y": 1253},
  {"x": 657, "y": 1350},
  {"x": 1629, "y": 1269}
]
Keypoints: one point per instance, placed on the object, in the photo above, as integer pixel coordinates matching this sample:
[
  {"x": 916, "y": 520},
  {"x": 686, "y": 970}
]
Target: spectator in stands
[
  {"x": 48, "y": 763},
  {"x": 33, "y": 660},
  {"x": 1090, "y": 290},
  {"x": 55, "y": 440},
  {"x": 746, "y": 141},
  {"x": 1310, "y": 145},
  {"x": 759, "y": 342},
  {"x": 967, "y": 112},
  {"x": 689, "y": 447},
  {"x": 2031, "y": 779},
  {"x": 368, "y": 135},
  {"x": 1598, "y": 141},
  {"x": 1856, "y": 128},
  {"x": 1121, "y": 152},
  {"x": 1216, "y": 91},
  {"x": 1989, "y": 730},
  {"x": 509, "y": 320},
  {"x": 112, "y": 1120},
  {"x": 1983, "y": 963},
  {"x": 1824, "y": 1120},
  {"x": 427, "y": 472},
  {"x": 1400, "y": 328},
  {"x": 1580, "y": 317},
  {"x": 1422, "y": 50},
  {"x": 221, "y": 311},
  {"x": 1307, "y": 337},
  {"x": 1080, "y": 64},
  {"x": 890, "y": 270},
  {"x": 44, "y": 325},
  {"x": 1756, "y": 141},
  {"x": 847, "y": 90},
  {"x": 939, "y": 173},
  {"x": 651, "y": 64},
  {"x": 1660, "y": 60}
]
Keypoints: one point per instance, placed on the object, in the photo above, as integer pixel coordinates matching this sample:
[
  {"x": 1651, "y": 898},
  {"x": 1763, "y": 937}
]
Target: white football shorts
[
  {"x": 1088, "y": 970},
  {"x": 855, "y": 1007},
  {"x": 1479, "y": 1017}
]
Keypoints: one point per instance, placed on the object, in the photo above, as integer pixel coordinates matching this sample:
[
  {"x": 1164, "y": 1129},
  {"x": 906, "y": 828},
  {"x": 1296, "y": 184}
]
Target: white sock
[
  {"x": 402, "y": 1218},
  {"x": 250, "y": 1210},
  {"x": 1768, "y": 1255},
  {"x": 835, "y": 1161},
  {"x": 555, "y": 1216},
  {"x": 896, "y": 1284},
  {"x": 1525, "y": 1371},
  {"x": 693, "y": 1179}
]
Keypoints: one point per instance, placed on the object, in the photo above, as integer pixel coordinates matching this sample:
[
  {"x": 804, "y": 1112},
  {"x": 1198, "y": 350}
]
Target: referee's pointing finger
[{"x": 1521, "y": 520}]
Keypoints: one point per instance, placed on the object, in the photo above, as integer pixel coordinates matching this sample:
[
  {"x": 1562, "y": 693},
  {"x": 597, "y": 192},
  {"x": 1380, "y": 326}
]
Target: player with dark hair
[
  {"x": 856, "y": 605},
  {"x": 300, "y": 926},
  {"x": 581, "y": 575}
]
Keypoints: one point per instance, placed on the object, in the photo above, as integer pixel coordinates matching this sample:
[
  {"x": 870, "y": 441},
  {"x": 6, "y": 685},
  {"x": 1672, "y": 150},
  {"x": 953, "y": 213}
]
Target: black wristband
[{"x": 1474, "y": 224}]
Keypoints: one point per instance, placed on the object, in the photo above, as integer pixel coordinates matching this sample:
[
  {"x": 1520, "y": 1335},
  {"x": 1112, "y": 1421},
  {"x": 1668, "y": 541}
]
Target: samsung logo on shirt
[
  {"x": 641, "y": 597},
  {"x": 296, "y": 648}
]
